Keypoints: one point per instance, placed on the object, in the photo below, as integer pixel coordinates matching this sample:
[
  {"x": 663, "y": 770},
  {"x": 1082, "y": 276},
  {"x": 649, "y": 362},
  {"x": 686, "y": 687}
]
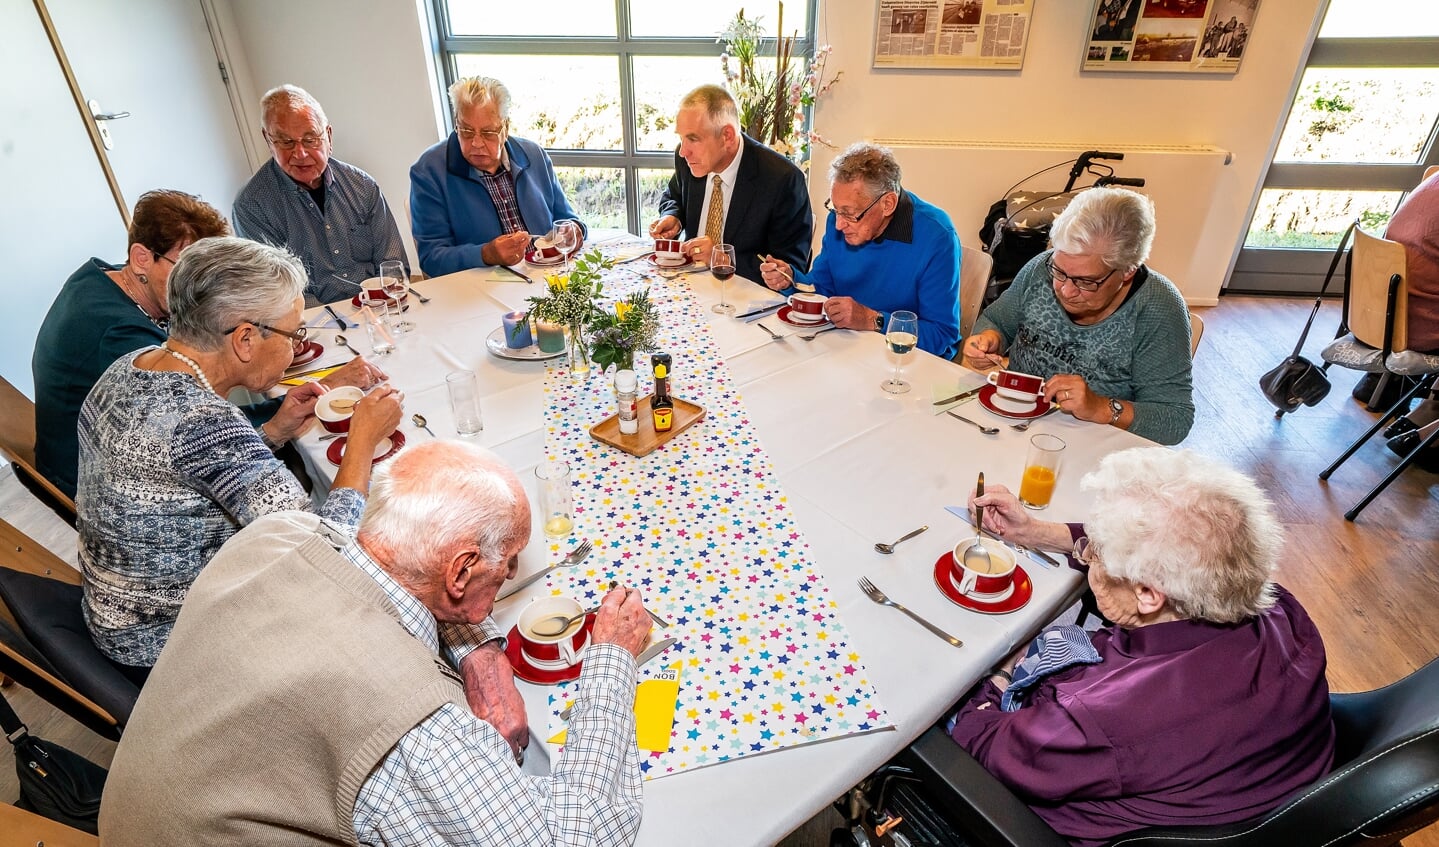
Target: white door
[
  {"x": 56, "y": 210},
  {"x": 155, "y": 60}
]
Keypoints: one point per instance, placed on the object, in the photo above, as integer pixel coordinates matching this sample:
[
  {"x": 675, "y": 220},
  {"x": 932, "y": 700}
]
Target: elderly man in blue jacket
[{"x": 479, "y": 196}]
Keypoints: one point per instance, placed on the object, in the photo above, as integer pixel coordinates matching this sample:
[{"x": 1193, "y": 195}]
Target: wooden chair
[
  {"x": 44, "y": 644},
  {"x": 1196, "y": 332},
  {"x": 974, "y": 269},
  {"x": 27, "y": 828},
  {"x": 17, "y": 444}
]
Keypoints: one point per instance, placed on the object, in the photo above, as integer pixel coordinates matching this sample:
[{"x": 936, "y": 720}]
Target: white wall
[
  {"x": 369, "y": 64},
  {"x": 1051, "y": 101}
]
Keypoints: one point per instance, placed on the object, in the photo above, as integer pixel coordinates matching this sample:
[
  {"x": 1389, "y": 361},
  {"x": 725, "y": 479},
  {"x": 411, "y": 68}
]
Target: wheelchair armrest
[{"x": 981, "y": 805}]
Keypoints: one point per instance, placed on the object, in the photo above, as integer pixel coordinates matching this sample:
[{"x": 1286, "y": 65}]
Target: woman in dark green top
[{"x": 104, "y": 312}]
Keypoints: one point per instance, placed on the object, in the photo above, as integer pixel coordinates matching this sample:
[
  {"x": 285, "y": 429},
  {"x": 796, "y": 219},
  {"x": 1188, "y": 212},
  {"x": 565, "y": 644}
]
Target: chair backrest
[
  {"x": 17, "y": 443},
  {"x": 1374, "y": 263},
  {"x": 974, "y": 268},
  {"x": 1196, "y": 332},
  {"x": 44, "y": 643},
  {"x": 29, "y": 828},
  {"x": 1430, "y": 171}
]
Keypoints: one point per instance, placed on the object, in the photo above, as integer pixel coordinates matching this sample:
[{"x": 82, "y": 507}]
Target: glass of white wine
[{"x": 900, "y": 336}]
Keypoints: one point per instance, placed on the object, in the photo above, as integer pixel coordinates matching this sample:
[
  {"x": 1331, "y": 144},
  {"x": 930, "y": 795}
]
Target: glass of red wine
[{"x": 722, "y": 266}]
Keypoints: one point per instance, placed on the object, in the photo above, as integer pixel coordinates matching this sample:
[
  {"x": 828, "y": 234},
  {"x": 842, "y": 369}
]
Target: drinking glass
[
  {"x": 1041, "y": 470},
  {"x": 901, "y": 335},
  {"x": 722, "y": 266},
  {"x": 566, "y": 237},
  {"x": 376, "y": 318},
  {"x": 464, "y": 388},
  {"x": 556, "y": 503},
  {"x": 396, "y": 286}
]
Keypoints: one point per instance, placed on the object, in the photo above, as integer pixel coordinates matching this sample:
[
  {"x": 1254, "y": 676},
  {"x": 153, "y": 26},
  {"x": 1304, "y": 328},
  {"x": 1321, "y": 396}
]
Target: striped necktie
[{"x": 714, "y": 221}]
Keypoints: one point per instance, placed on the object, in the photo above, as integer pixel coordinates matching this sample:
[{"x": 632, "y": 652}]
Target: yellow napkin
[
  {"x": 310, "y": 375},
  {"x": 655, "y": 701}
]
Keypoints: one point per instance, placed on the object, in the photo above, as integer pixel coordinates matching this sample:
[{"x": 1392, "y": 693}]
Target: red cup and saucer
[
  {"x": 546, "y": 658},
  {"x": 306, "y": 352},
  {"x": 1006, "y": 588},
  {"x": 1007, "y": 407},
  {"x": 404, "y": 300},
  {"x": 384, "y": 450}
]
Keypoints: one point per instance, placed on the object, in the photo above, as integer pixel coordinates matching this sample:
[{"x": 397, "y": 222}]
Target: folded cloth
[{"x": 1055, "y": 649}]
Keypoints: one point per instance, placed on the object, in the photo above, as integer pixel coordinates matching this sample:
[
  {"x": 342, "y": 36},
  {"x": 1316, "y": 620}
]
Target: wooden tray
[{"x": 646, "y": 441}]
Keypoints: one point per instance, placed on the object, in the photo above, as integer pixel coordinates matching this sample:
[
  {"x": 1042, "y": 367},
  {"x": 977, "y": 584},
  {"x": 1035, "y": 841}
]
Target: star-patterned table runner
[{"x": 704, "y": 530}]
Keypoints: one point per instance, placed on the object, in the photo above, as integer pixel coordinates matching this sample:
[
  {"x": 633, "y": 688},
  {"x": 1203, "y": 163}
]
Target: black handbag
[
  {"x": 55, "y": 783},
  {"x": 1297, "y": 380}
]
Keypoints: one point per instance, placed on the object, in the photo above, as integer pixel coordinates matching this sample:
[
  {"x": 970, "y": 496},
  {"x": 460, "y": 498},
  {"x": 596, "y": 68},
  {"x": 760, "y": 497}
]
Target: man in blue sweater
[
  {"x": 884, "y": 249},
  {"x": 478, "y": 197}
]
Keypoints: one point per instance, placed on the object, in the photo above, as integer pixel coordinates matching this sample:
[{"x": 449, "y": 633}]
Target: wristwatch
[
  {"x": 879, "y": 323},
  {"x": 1116, "y": 409}
]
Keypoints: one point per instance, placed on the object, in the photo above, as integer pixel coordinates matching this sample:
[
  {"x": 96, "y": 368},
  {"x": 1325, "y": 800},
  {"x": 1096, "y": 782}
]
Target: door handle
[{"x": 100, "y": 118}]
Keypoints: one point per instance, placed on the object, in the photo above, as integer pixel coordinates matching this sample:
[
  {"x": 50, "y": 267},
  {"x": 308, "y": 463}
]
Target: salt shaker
[{"x": 626, "y": 387}]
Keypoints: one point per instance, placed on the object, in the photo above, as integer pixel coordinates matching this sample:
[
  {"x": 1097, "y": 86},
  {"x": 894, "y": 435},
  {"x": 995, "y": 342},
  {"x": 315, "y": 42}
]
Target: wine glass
[
  {"x": 566, "y": 237},
  {"x": 396, "y": 287},
  {"x": 901, "y": 335},
  {"x": 722, "y": 266}
]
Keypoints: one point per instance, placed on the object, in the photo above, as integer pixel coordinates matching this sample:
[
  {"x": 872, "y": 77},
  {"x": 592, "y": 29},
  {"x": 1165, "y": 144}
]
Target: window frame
[
  {"x": 624, "y": 47},
  {"x": 1281, "y": 270}
]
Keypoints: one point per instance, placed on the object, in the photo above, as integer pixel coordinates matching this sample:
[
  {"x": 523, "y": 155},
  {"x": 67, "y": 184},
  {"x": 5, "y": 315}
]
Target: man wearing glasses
[
  {"x": 728, "y": 188},
  {"x": 330, "y": 214},
  {"x": 477, "y": 197},
  {"x": 1109, "y": 335},
  {"x": 884, "y": 249}
]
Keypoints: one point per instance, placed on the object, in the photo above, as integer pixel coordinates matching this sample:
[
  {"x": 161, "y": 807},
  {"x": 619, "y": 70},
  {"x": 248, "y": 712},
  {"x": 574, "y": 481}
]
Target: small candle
[
  {"x": 517, "y": 330},
  {"x": 552, "y": 336}
]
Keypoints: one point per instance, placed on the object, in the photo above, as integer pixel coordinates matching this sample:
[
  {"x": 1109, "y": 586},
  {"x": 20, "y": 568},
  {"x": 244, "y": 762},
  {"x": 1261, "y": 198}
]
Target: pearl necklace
[{"x": 199, "y": 374}]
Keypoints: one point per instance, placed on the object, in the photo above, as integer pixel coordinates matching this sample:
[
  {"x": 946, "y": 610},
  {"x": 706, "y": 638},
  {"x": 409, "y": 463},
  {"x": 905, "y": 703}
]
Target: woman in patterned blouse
[{"x": 169, "y": 469}]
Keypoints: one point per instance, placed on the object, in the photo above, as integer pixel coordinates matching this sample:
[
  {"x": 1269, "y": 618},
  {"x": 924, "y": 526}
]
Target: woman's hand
[
  {"x": 984, "y": 350},
  {"x": 376, "y": 416},
  {"x": 294, "y": 413},
  {"x": 1005, "y": 518},
  {"x": 1071, "y": 393},
  {"x": 359, "y": 372}
]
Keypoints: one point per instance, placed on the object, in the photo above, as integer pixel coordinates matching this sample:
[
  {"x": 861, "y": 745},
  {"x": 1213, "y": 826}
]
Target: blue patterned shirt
[
  {"x": 168, "y": 472},
  {"x": 452, "y": 780},
  {"x": 349, "y": 239}
]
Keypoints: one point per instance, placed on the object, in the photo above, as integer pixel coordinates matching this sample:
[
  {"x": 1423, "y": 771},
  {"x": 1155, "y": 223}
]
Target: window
[
  {"x": 597, "y": 84},
  {"x": 1360, "y": 132}
]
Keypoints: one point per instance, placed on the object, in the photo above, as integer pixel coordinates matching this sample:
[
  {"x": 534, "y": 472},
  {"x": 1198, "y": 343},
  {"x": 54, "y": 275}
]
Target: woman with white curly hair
[{"x": 1203, "y": 702}]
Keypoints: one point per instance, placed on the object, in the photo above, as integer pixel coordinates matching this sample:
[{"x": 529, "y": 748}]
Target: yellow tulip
[
  {"x": 557, "y": 282},
  {"x": 621, "y": 309}
]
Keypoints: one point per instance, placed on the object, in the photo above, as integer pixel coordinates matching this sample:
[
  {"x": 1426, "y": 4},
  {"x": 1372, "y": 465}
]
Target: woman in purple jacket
[{"x": 1204, "y": 702}]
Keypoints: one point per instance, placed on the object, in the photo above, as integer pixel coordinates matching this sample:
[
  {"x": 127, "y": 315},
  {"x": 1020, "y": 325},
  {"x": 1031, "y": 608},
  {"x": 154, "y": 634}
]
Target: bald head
[{"x": 439, "y": 497}]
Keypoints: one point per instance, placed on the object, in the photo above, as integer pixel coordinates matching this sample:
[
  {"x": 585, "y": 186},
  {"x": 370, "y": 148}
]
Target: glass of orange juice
[{"x": 1041, "y": 470}]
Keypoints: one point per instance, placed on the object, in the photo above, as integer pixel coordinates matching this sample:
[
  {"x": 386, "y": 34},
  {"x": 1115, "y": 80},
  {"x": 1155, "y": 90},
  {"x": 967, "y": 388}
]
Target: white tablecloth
[{"x": 859, "y": 466}]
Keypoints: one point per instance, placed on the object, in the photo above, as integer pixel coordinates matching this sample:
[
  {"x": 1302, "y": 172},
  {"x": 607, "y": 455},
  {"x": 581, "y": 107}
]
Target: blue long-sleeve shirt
[{"x": 913, "y": 264}]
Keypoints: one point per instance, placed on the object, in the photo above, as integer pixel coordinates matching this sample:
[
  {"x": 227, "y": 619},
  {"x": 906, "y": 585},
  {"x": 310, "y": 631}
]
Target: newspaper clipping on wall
[
  {"x": 1195, "y": 36},
  {"x": 951, "y": 33}
]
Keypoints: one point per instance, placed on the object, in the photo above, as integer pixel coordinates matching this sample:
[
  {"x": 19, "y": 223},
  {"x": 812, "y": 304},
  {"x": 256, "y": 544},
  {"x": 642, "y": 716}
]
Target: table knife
[
  {"x": 963, "y": 395},
  {"x": 754, "y": 312},
  {"x": 339, "y": 320},
  {"x": 516, "y": 273}
]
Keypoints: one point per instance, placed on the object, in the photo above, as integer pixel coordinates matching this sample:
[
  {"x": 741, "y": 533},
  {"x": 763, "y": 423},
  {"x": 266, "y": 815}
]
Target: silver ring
[{"x": 1066, "y": 395}]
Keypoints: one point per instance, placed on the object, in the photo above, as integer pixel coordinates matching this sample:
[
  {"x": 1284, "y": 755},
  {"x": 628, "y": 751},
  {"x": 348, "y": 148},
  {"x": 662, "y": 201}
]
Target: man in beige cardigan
[{"x": 288, "y": 708}]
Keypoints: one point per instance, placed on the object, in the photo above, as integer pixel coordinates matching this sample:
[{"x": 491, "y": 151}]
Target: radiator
[{"x": 965, "y": 177}]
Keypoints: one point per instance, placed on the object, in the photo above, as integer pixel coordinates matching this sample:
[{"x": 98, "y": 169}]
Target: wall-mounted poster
[
  {"x": 1203, "y": 36},
  {"x": 951, "y": 33}
]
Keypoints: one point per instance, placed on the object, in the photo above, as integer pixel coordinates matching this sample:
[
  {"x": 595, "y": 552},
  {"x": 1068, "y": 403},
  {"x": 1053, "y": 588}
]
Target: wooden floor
[{"x": 1371, "y": 585}]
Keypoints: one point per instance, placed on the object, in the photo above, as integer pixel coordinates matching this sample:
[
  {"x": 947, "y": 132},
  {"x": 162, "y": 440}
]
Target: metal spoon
[
  {"x": 975, "y": 556},
  {"x": 340, "y": 340},
  {"x": 559, "y": 623},
  {"x": 889, "y": 548},
  {"x": 768, "y": 330},
  {"x": 987, "y": 430},
  {"x": 423, "y": 298},
  {"x": 419, "y": 421}
]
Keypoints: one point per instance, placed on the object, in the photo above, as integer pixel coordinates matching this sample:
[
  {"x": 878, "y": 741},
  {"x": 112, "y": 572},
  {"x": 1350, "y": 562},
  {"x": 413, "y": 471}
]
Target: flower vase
[{"x": 579, "y": 355}]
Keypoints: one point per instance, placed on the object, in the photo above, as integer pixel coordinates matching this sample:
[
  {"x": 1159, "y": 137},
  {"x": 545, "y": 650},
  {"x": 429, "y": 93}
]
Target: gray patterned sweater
[
  {"x": 168, "y": 472},
  {"x": 1140, "y": 353}
]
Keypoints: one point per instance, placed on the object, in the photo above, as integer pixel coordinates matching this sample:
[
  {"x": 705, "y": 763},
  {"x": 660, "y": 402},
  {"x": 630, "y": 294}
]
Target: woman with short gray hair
[
  {"x": 169, "y": 469},
  {"x": 1109, "y": 335},
  {"x": 1203, "y": 702}
]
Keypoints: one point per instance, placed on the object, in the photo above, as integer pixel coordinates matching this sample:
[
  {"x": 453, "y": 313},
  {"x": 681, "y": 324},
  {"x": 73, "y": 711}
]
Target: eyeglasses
[
  {"x": 1086, "y": 553},
  {"x": 491, "y": 137},
  {"x": 159, "y": 255},
  {"x": 854, "y": 219},
  {"x": 298, "y": 335},
  {"x": 308, "y": 141},
  {"x": 1080, "y": 282}
]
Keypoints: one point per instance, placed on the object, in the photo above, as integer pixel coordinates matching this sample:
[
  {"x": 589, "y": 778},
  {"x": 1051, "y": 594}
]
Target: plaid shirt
[
  {"x": 452, "y": 780},
  {"x": 501, "y": 186}
]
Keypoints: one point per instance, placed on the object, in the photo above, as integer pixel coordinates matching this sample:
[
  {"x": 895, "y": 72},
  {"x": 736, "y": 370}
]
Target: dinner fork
[
  {"x": 879, "y": 597},
  {"x": 1021, "y": 427},
  {"x": 575, "y": 556},
  {"x": 811, "y": 336}
]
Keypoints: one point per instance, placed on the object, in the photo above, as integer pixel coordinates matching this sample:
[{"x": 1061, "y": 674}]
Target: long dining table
[{"x": 856, "y": 465}]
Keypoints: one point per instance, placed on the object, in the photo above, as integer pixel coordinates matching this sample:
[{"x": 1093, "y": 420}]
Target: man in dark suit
[{"x": 730, "y": 189}]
